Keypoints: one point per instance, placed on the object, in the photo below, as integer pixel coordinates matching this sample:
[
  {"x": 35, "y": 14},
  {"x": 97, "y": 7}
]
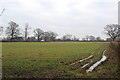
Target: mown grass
[{"x": 46, "y": 59}]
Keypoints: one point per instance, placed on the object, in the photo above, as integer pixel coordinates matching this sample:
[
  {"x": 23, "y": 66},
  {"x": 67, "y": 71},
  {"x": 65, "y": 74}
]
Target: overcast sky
[{"x": 76, "y": 17}]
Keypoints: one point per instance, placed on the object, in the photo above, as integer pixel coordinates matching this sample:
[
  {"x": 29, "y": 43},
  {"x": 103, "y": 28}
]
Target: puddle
[
  {"x": 86, "y": 64},
  {"x": 82, "y": 59},
  {"x": 86, "y": 58},
  {"x": 97, "y": 63}
]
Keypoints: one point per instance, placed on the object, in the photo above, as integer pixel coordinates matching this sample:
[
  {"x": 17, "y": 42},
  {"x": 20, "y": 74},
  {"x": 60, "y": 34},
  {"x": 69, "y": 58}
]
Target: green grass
[{"x": 45, "y": 59}]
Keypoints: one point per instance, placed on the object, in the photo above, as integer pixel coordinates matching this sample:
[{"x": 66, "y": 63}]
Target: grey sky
[{"x": 76, "y": 17}]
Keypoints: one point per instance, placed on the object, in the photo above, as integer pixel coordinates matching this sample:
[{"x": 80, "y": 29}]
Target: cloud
[{"x": 78, "y": 17}]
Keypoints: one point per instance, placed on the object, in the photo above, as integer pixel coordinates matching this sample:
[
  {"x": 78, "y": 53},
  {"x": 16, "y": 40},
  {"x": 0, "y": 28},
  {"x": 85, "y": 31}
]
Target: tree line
[{"x": 13, "y": 34}]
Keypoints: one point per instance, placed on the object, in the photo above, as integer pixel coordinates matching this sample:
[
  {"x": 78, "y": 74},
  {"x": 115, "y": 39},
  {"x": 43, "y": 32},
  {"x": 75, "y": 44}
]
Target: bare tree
[
  {"x": 46, "y": 36},
  {"x": 52, "y": 35},
  {"x": 83, "y": 39},
  {"x": 98, "y": 38},
  {"x": 1, "y": 29},
  {"x": 112, "y": 31},
  {"x": 87, "y": 37},
  {"x": 108, "y": 39},
  {"x": 49, "y": 36},
  {"x": 91, "y": 38},
  {"x": 67, "y": 37},
  {"x": 26, "y": 30},
  {"x": 75, "y": 38},
  {"x": 2, "y": 12},
  {"x": 12, "y": 30},
  {"x": 38, "y": 33}
]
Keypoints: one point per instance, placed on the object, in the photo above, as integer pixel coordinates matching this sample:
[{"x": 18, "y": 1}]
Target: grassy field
[{"x": 47, "y": 59}]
